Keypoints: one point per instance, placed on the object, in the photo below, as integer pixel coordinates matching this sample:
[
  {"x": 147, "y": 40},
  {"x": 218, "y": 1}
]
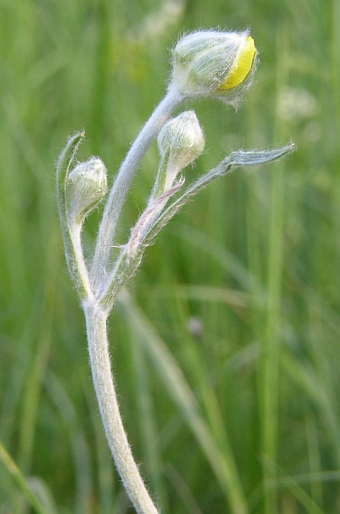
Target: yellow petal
[{"x": 242, "y": 67}]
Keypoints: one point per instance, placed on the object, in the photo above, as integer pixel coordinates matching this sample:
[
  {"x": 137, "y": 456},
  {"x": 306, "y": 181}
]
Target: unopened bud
[
  {"x": 180, "y": 142},
  {"x": 210, "y": 63},
  {"x": 86, "y": 186}
]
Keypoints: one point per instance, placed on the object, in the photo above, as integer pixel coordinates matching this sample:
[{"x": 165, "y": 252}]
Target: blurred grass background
[{"x": 226, "y": 350}]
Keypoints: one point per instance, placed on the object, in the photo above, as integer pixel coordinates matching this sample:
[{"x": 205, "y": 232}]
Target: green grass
[{"x": 245, "y": 412}]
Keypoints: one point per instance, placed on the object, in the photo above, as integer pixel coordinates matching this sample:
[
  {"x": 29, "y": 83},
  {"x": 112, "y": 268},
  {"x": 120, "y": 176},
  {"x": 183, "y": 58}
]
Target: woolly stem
[{"x": 109, "y": 409}]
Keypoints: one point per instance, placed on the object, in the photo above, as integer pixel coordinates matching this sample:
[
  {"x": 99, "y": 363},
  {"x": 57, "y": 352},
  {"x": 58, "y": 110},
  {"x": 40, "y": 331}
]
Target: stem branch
[{"x": 123, "y": 180}]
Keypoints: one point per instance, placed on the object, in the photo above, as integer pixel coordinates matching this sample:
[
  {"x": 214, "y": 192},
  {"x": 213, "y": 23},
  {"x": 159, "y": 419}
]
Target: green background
[{"x": 226, "y": 354}]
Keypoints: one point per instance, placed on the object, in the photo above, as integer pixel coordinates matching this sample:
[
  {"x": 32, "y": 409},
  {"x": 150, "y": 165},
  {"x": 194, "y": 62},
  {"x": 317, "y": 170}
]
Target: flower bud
[
  {"x": 211, "y": 63},
  {"x": 180, "y": 142},
  {"x": 86, "y": 186}
]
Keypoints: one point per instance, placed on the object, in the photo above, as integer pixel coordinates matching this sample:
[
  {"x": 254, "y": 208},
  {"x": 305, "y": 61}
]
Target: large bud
[{"x": 217, "y": 64}]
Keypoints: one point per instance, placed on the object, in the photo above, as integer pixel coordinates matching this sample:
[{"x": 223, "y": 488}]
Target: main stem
[
  {"x": 123, "y": 180},
  {"x": 109, "y": 410}
]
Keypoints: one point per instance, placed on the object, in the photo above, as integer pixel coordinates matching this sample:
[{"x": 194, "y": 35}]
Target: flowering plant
[{"x": 205, "y": 64}]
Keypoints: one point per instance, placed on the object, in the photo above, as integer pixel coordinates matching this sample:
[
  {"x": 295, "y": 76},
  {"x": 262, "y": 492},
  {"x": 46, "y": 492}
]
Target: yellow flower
[
  {"x": 211, "y": 63},
  {"x": 242, "y": 65}
]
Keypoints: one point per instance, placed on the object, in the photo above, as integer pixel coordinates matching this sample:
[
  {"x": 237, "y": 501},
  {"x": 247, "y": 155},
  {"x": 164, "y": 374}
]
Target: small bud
[
  {"x": 180, "y": 142},
  {"x": 210, "y": 63},
  {"x": 86, "y": 186}
]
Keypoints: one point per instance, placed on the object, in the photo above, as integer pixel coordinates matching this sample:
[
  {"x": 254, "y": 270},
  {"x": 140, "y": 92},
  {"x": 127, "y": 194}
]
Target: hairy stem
[
  {"x": 109, "y": 409},
  {"x": 123, "y": 180},
  {"x": 77, "y": 263}
]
